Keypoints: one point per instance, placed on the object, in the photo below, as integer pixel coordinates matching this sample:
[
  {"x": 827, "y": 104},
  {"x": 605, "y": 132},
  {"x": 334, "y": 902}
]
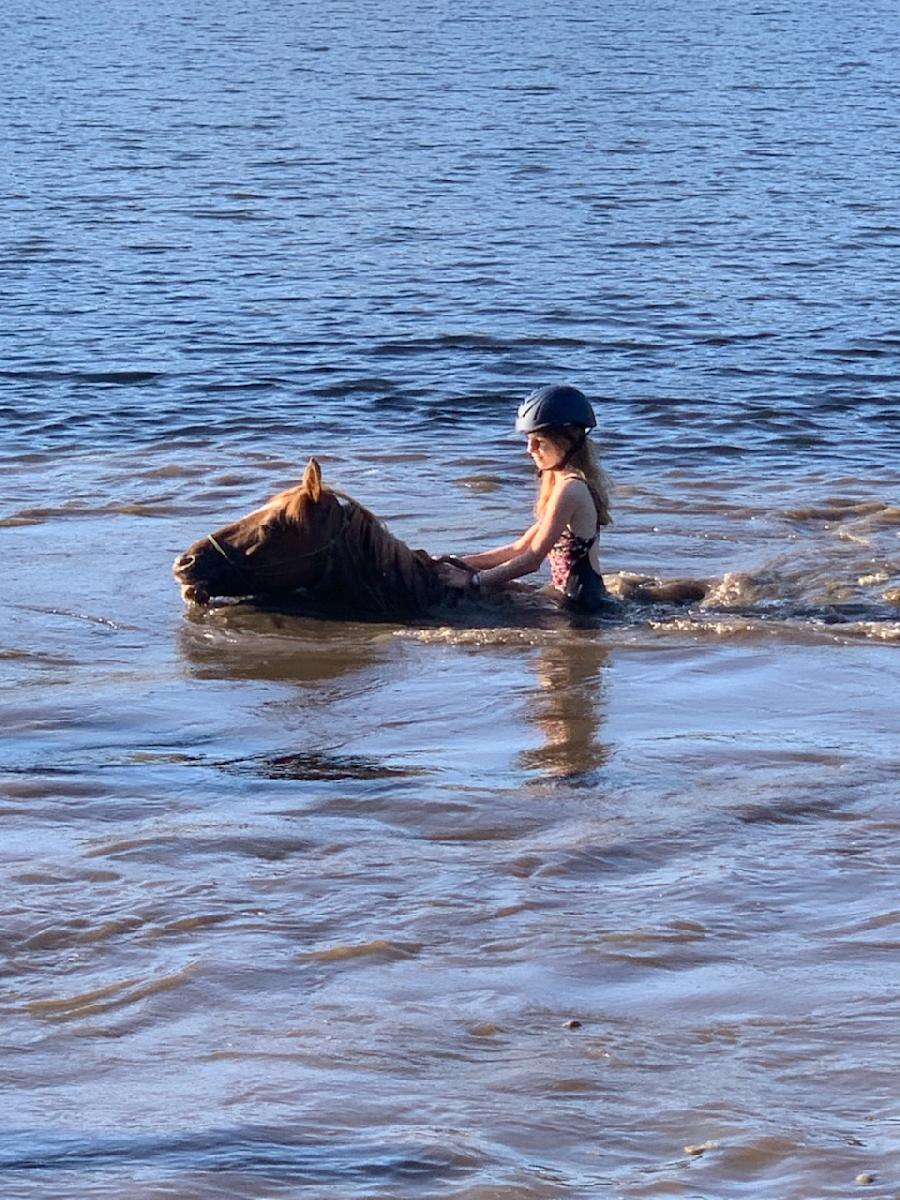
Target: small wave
[
  {"x": 78, "y": 933},
  {"x": 320, "y": 767},
  {"x": 741, "y": 589},
  {"x": 213, "y": 388},
  {"x": 364, "y": 384},
  {"x": 840, "y": 508},
  {"x": 464, "y": 342},
  {"x": 217, "y": 846},
  {"x": 90, "y": 618},
  {"x": 529, "y": 89},
  {"x": 227, "y": 214},
  {"x": 479, "y": 483},
  {"x": 766, "y": 626},
  {"x": 380, "y": 949},
  {"x": 121, "y": 994},
  {"x": 731, "y": 339},
  {"x": 135, "y": 508},
  {"x": 790, "y": 812},
  {"x": 121, "y": 378},
  {"x": 14, "y": 654},
  {"x": 275, "y": 1154}
]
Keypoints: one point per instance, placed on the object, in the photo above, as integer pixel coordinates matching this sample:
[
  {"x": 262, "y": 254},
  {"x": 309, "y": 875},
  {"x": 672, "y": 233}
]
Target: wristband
[{"x": 475, "y": 580}]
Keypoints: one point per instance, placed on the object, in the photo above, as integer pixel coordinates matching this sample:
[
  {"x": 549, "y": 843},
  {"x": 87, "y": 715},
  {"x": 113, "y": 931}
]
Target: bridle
[
  {"x": 346, "y": 562},
  {"x": 239, "y": 566}
]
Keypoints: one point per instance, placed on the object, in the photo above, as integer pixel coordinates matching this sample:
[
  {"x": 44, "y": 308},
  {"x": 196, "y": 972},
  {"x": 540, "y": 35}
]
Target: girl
[{"x": 572, "y": 505}]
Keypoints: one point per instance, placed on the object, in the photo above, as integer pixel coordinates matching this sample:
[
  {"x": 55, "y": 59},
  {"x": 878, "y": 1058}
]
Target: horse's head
[{"x": 275, "y": 550}]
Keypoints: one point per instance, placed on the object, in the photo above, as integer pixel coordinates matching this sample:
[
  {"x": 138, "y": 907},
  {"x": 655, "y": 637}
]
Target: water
[{"x": 299, "y": 908}]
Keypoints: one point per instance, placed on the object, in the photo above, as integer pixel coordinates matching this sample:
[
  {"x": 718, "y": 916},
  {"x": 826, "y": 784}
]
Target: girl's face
[{"x": 544, "y": 450}]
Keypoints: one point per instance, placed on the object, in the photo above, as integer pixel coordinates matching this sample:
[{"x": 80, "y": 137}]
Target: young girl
[{"x": 572, "y": 505}]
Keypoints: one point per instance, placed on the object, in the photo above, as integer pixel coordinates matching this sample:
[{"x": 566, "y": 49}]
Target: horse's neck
[
  {"x": 381, "y": 568},
  {"x": 390, "y": 549}
]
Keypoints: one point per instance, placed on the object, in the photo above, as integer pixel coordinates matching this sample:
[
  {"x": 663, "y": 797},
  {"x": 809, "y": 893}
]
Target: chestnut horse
[{"x": 312, "y": 547}]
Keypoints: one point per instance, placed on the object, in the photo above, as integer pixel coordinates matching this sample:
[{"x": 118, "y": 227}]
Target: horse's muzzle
[
  {"x": 194, "y": 595},
  {"x": 191, "y": 593},
  {"x": 183, "y": 563}
]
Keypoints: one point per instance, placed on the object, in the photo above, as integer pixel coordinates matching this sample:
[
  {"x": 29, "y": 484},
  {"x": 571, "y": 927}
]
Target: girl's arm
[
  {"x": 502, "y": 554},
  {"x": 540, "y": 538}
]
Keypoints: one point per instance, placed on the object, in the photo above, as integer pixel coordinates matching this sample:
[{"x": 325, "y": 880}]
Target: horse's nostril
[{"x": 185, "y": 561}]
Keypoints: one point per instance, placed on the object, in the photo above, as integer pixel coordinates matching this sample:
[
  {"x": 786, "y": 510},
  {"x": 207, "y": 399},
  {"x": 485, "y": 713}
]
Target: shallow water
[{"x": 485, "y": 912}]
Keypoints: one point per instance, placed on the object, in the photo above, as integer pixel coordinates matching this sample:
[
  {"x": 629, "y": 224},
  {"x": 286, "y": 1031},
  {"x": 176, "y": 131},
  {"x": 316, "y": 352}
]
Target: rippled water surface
[{"x": 502, "y": 910}]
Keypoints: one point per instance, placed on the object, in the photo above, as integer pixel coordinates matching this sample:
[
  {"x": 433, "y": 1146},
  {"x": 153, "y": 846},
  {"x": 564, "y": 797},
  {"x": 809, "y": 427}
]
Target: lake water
[{"x": 295, "y": 908}]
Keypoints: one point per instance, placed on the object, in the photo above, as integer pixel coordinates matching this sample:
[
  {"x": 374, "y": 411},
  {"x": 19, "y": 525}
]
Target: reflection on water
[
  {"x": 566, "y": 709},
  {"x": 242, "y": 643}
]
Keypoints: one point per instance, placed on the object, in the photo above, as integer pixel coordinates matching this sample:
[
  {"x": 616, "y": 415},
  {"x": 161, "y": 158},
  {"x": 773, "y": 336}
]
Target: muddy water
[
  {"x": 297, "y": 907},
  {"x": 498, "y": 911}
]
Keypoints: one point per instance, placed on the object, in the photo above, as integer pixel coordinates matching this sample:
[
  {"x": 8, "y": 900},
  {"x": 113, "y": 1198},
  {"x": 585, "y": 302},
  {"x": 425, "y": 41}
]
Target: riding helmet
[{"x": 552, "y": 408}]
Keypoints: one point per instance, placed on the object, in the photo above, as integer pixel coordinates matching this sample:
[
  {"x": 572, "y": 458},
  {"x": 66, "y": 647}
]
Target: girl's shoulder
[
  {"x": 581, "y": 495},
  {"x": 572, "y": 493},
  {"x": 574, "y": 484}
]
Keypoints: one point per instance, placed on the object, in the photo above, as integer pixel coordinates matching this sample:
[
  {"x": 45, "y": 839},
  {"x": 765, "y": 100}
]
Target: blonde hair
[{"x": 583, "y": 462}]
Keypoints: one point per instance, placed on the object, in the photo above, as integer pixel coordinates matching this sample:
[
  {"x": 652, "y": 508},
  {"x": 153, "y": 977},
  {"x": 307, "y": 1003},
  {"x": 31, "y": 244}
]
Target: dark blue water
[{"x": 253, "y": 221}]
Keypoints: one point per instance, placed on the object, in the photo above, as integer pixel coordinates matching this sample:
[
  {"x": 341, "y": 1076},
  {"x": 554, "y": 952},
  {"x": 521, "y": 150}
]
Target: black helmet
[{"x": 554, "y": 407}]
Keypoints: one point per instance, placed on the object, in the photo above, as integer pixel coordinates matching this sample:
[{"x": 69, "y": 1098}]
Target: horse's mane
[
  {"x": 365, "y": 568},
  {"x": 290, "y": 505}
]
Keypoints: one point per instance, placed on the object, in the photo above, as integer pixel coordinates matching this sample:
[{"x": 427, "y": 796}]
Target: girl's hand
[{"x": 455, "y": 577}]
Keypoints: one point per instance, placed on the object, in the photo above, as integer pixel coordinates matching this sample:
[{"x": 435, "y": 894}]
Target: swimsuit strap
[{"x": 595, "y": 496}]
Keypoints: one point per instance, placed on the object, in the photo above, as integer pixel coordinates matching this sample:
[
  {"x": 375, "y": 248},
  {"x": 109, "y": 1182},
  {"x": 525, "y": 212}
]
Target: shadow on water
[
  {"x": 319, "y": 766},
  {"x": 276, "y": 1155}
]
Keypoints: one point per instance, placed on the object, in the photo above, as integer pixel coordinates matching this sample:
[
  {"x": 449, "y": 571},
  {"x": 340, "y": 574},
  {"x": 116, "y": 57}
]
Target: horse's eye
[{"x": 261, "y": 539}]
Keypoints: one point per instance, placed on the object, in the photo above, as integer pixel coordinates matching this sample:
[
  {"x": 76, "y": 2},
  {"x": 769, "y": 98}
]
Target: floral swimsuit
[
  {"x": 564, "y": 555},
  {"x": 572, "y": 574}
]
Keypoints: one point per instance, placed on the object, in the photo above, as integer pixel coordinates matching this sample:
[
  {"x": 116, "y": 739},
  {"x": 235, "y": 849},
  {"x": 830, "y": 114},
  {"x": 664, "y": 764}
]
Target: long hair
[{"x": 582, "y": 461}]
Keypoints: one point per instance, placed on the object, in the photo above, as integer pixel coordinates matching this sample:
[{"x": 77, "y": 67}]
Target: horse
[
  {"x": 315, "y": 551},
  {"x": 311, "y": 548}
]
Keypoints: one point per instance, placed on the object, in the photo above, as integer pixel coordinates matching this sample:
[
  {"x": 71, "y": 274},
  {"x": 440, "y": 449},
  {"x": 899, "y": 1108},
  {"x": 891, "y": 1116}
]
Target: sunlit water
[{"x": 490, "y": 912}]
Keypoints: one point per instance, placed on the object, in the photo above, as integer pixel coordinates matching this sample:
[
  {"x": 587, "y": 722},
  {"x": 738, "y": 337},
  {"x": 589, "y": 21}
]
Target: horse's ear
[{"x": 312, "y": 480}]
